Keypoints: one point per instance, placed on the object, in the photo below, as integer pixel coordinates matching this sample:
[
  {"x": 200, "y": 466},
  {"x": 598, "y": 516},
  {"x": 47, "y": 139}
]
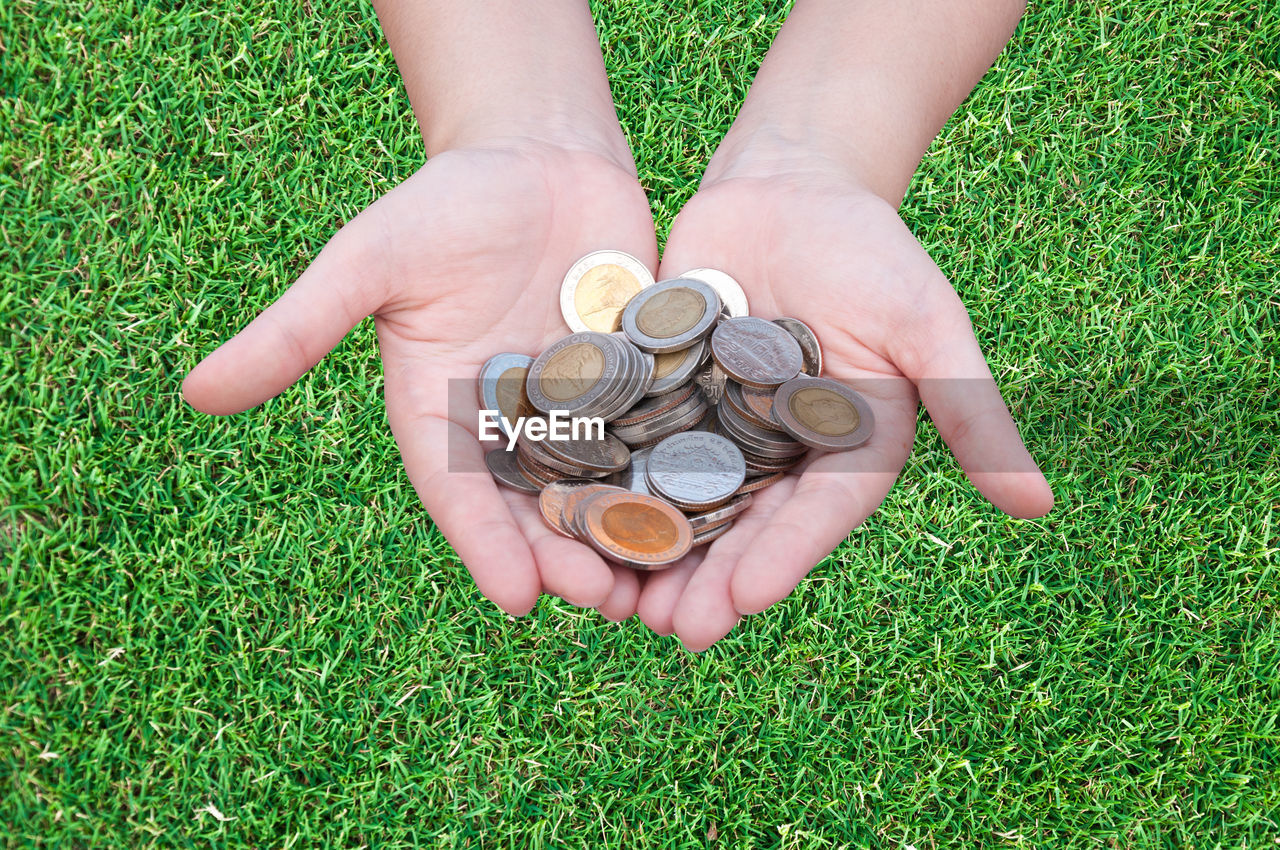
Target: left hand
[{"x": 808, "y": 242}]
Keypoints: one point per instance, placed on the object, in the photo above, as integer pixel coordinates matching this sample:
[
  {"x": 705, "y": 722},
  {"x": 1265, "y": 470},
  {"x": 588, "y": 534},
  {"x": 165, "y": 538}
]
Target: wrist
[
  {"x": 799, "y": 153},
  {"x": 536, "y": 120}
]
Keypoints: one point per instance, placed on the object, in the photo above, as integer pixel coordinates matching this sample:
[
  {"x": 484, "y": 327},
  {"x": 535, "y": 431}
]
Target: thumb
[
  {"x": 938, "y": 351},
  {"x": 342, "y": 286}
]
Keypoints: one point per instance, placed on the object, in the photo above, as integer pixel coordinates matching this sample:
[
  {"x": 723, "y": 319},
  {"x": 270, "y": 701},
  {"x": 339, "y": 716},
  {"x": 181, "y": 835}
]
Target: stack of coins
[{"x": 705, "y": 405}]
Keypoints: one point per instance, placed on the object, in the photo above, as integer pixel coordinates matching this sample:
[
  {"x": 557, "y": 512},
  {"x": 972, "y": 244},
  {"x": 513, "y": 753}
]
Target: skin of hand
[
  {"x": 528, "y": 171},
  {"x": 802, "y": 210}
]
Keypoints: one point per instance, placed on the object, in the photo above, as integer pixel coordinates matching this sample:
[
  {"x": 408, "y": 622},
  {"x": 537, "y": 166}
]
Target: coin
[
  {"x": 724, "y": 513},
  {"x": 535, "y": 452},
  {"x": 671, "y": 315},
  {"x": 709, "y": 534},
  {"x": 500, "y": 387},
  {"x": 824, "y": 414},
  {"x": 654, "y": 405},
  {"x": 729, "y": 290},
  {"x": 654, "y": 428},
  {"x": 676, "y": 367},
  {"x": 551, "y": 502},
  {"x": 711, "y": 381},
  {"x": 808, "y": 344},
  {"x": 753, "y": 351},
  {"x": 536, "y": 472},
  {"x": 502, "y": 465},
  {"x": 753, "y": 485},
  {"x": 598, "y": 287},
  {"x": 635, "y": 382},
  {"x": 557, "y": 502},
  {"x": 762, "y": 441},
  {"x": 751, "y": 403},
  {"x": 605, "y": 454},
  {"x": 633, "y": 477},
  {"x": 635, "y": 529},
  {"x": 576, "y": 372},
  {"x": 696, "y": 469}
]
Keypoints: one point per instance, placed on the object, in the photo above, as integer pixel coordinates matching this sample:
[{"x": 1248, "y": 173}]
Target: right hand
[{"x": 461, "y": 261}]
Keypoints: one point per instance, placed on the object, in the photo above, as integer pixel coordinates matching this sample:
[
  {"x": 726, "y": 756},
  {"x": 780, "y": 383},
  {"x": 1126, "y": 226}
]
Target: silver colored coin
[
  {"x": 761, "y": 441},
  {"x": 535, "y": 452},
  {"x": 575, "y": 373},
  {"x": 597, "y": 287},
  {"x": 676, "y": 367},
  {"x": 622, "y": 382},
  {"x": 671, "y": 315},
  {"x": 808, "y": 344},
  {"x": 729, "y": 290},
  {"x": 505, "y": 469},
  {"x": 633, "y": 477},
  {"x": 710, "y": 379},
  {"x": 688, "y": 423},
  {"x": 824, "y": 414},
  {"x": 664, "y": 424},
  {"x": 605, "y": 455},
  {"x": 696, "y": 468},
  {"x": 639, "y": 379},
  {"x": 709, "y": 534},
  {"x": 722, "y": 514},
  {"x": 753, "y": 351}
]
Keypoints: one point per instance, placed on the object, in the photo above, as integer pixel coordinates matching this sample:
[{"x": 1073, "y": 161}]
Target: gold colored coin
[
  {"x": 824, "y": 411},
  {"x": 602, "y": 294},
  {"x": 671, "y": 313},
  {"x": 572, "y": 371},
  {"x": 510, "y": 392}
]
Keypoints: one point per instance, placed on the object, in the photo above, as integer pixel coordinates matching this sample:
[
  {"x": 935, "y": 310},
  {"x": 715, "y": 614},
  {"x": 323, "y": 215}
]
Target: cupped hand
[
  {"x": 461, "y": 261},
  {"x": 810, "y": 243}
]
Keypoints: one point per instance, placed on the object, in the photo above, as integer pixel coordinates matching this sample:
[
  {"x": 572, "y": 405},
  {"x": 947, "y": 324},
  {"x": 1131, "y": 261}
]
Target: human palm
[
  {"x": 461, "y": 261},
  {"x": 839, "y": 258}
]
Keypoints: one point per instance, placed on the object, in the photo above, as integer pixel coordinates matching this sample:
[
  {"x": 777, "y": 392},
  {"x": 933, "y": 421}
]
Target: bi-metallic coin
[
  {"x": 824, "y": 414},
  {"x": 597, "y": 288}
]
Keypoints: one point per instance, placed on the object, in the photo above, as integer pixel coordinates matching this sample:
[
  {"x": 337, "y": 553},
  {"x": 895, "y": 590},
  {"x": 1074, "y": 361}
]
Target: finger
[
  {"x": 835, "y": 495},
  {"x": 567, "y": 568},
  {"x": 705, "y": 612},
  {"x": 342, "y": 286},
  {"x": 450, "y": 478},
  {"x": 657, "y": 604},
  {"x": 621, "y": 603},
  {"x": 940, "y": 354}
]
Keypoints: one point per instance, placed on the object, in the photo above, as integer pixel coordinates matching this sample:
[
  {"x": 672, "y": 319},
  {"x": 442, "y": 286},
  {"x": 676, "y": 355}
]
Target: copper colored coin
[
  {"x": 552, "y": 499},
  {"x": 502, "y": 465},
  {"x": 635, "y": 529},
  {"x": 751, "y": 403},
  {"x": 753, "y": 351},
  {"x": 654, "y": 406},
  {"x": 754, "y": 485},
  {"x": 559, "y": 503},
  {"x": 824, "y": 414}
]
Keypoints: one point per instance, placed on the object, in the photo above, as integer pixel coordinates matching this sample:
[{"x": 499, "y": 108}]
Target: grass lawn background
[{"x": 255, "y": 614}]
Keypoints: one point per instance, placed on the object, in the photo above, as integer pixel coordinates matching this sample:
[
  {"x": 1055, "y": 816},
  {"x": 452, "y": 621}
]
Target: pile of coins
[{"x": 704, "y": 406}]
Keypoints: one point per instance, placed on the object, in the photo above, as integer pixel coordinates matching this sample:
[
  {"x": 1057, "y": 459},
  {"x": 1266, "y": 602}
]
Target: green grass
[{"x": 255, "y": 613}]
